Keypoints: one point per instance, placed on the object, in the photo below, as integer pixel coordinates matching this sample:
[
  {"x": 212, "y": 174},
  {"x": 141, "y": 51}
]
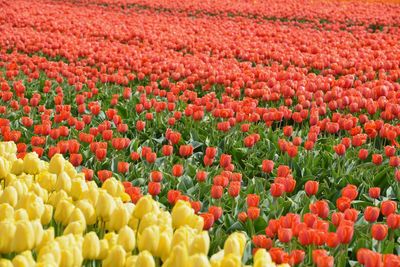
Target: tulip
[
  {"x": 91, "y": 246},
  {"x": 145, "y": 259},
  {"x": 181, "y": 213},
  {"x": 231, "y": 260},
  {"x": 143, "y": 206},
  {"x": 9, "y": 196},
  {"x": 311, "y": 187},
  {"x": 199, "y": 260},
  {"x": 178, "y": 257},
  {"x": 388, "y": 207},
  {"x": 149, "y": 239},
  {"x": 235, "y": 244},
  {"x": 56, "y": 165},
  {"x": 24, "y": 238},
  {"x": 7, "y": 233},
  {"x": 371, "y": 214},
  {"x": 105, "y": 206},
  {"x": 379, "y": 231},
  {"x": 200, "y": 244},
  {"x": 126, "y": 238},
  {"x": 32, "y": 164},
  {"x": 115, "y": 258}
]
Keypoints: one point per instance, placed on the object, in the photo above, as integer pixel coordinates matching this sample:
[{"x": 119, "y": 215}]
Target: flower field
[{"x": 199, "y": 133}]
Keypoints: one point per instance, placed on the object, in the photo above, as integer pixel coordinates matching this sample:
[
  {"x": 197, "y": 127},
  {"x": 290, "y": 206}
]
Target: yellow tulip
[
  {"x": 32, "y": 163},
  {"x": 24, "y": 238},
  {"x": 196, "y": 222},
  {"x": 38, "y": 231},
  {"x": 200, "y": 244},
  {"x": 111, "y": 238},
  {"x": 48, "y": 236},
  {"x": 111, "y": 186},
  {"x": 104, "y": 247},
  {"x": 24, "y": 259},
  {"x": 235, "y": 244},
  {"x": 147, "y": 220},
  {"x": 77, "y": 255},
  {"x": 88, "y": 211},
  {"x": 63, "y": 182},
  {"x": 91, "y": 195},
  {"x": 78, "y": 187},
  {"x": 231, "y": 260},
  {"x": 39, "y": 192},
  {"x": 178, "y": 257},
  {"x": 262, "y": 259},
  {"x": 76, "y": 228},
  {"x": 91, "y": 246},
  {"x": 21, "y": 215},
  {"x": 70, "y": 169},
  {"x": 145, "y": 259},
  {"x": 131, "y": 261},
  {"x": 51, "y": 252},
  {"x": 144, "y": 206},
  {"x": 47, "y": 214},
  {"x": 6, "y": 212},
  {"x": 115, "y": 258},
  {"x": 17, "y": 167},
  {"x": 181, "y": 213},
  {"x": 63, "y": 211},
  {"x": 199, "y": 260},
  {"x": 126, "y": 238},
  {"x": 4, "y": 167},
  {"x": 56, "y": 164},
  {"x": 7, "y": 233},
  {"x": 67, "y": 259},
  {"x": 10, "y": 196},
  {"x": 47, "y": 180},
  {"x": 6, "y": 263},
  {"x": 35, "y": 207},
  {"x": 119, "y": 219},
  {"x": 105, "y": 206},
  {"x": 183, "y": 235},
  {"x": 149, "y": 239},
  {"x": 164, "y": 245},
  {"x": 77, "y": 216},
  {"x": 55, "y": 198}
]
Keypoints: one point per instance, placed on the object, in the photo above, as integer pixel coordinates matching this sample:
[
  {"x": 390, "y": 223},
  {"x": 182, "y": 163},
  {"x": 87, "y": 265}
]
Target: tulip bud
[
  {"x": 24, "y": 236},
  {"x": 47, "y": 214},
  {"x": 119, "y": 218},
  {"x": 57, "y": 164},
  {"x": 149, "y": 239},
  {"x": 231, "y": 260},
  {"x": 47, "y": 237},
  {"x": 32, "y": 164},
  {"x": 63, "y": 211},
  {"x": 104, "y": 248},
  {"x": 88, "y": 211},
  {"x": 47, "y": 180},
  {"x": 63, "y": 182},
  {"x": 164, "y": 245},
  {"x": 178, "y": 257},
  {"x": 76, "y": 228},
  {"x": 235, "y": 244},
  {"x": 126, "y": 238},
  {"x": 6, "y": 212},
  {"x": 145, "y": 259},
  {"x": 7, "y": 232},
  {"x": 38, "y": 231},
  {"x": 181, "y": 213},
  {"x": 199, "y": 260},
  {"x": 105, "y": 206},
  {"x": 145, "y": 205},
  {"x": 24, "y": 259},
  {"x": 4, "y": 167},
  {"x": 10, "y": 196},
  {"x": 91, "y": 246},
  {"x": 115, "y": 258},
  {"x": 6, "y": 263},
  {"x": 78, "y": 187},
  {"x": 17, "y": 167},
  {"x": 200, "y": 244},
  {"x": 262, "y": 258}
]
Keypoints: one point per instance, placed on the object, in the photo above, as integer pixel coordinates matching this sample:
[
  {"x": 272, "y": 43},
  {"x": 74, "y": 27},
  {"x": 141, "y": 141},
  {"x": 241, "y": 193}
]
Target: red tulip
[
  {"x": 216, "y": 191},
  {"x": 311, "y": 187},
  {"x": 154, "y": 188},
  {"x": 208, "y": 219},
  {"x": 379, "y": 231},
  {"x": 285, "y": 235},
  {"x": 252, "y": 200},
  {"x": 374, "y": 192},
  {"x": 388, "y": 207},
  {"x": 253, "y": 213},
  {"x": 267, "y": 166},
  {"x": 320, "y": 208},
  {"x": 371, "y": 214},
  {"x": 123, "y": 167},
  {"x": 177, "y": 170}
]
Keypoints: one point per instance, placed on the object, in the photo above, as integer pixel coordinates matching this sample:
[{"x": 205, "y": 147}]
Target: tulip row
[{"x": 50, "y": 216}]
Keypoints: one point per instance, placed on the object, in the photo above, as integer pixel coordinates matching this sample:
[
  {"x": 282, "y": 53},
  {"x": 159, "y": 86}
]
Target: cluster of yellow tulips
[{"x": 51, "y": 216}]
